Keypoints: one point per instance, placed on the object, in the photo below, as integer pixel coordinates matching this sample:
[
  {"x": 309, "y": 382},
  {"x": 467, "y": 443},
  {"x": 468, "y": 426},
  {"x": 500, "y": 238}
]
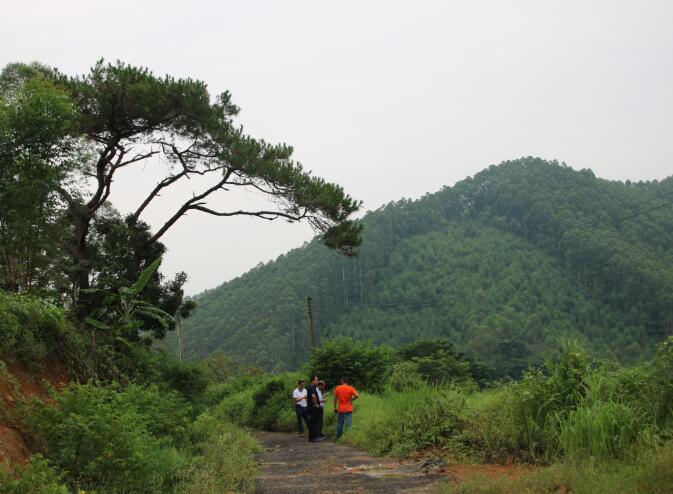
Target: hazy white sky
[{"x": 388, "y": 98}]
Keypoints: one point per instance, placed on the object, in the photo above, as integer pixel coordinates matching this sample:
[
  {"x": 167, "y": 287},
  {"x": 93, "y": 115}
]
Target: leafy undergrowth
[
  {"x": 132, "y": 439},
  {"x": 18, "y": 385}
]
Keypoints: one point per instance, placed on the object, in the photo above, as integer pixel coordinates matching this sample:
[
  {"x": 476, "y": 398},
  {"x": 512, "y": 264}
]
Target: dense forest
[{"x": 504, "y": 264}]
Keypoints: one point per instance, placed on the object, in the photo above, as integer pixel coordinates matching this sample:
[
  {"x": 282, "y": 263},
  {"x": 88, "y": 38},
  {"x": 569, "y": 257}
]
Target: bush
[
  {"x": 400, "y": 422},
  {"x": 661, "y": 381},
  {"x": 236, "y": 407},
  {"x": 264, "y": 402},
  {"x": 404, "y": 376},
  {"x": 224, "y": 461},
  {"x": 28, "y": 326},
  {"x": 165, "y": 414},
  {"x": 489, "y": 432},
  {"x": 190, "y": 380},
  {"x": 37, "y": 477},
  {"x": 367, "y": 366},
  {"x": 437, "y": 361},
  {"x": 272, "y": 408},
  {"x": 577, "y": 407},
  {"x": 546, "y": 396},
  {"x": 101, "y": 438}
]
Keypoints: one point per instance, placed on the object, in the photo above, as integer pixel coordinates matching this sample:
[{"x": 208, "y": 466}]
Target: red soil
[
  {"x": 20, "y": 385},
  {"x": 458, "y": 473}
]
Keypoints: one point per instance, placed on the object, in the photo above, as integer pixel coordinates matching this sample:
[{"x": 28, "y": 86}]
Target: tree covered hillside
[{"x": 503, "y": 264}]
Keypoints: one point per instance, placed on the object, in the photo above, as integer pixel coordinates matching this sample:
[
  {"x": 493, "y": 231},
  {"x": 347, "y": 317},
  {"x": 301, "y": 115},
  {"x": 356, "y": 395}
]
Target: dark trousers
[
  {"x": 315, "y": 423},
  {"x": 302, "y": 416}
]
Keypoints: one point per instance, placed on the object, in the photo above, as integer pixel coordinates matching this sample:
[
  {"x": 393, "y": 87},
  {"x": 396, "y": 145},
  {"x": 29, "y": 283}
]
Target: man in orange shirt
[{"x": 344, "y": 394}]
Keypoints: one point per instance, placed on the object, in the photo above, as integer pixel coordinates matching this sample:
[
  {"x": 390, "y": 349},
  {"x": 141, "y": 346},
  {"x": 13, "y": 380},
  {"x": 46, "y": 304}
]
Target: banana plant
[{"x": 125, "y": 308}]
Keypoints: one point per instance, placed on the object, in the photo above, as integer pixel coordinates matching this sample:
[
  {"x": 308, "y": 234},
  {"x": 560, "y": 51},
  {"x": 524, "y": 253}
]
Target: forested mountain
[{"x": 504, "y": 264}]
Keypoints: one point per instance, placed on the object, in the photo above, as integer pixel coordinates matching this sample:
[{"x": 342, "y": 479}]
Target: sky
[{"x": 388, "y": 98}]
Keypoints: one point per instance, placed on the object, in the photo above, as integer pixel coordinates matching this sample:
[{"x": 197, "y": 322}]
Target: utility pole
[
  {"x": 294, "y": 342},
  {"x": 311, "y": 324}
]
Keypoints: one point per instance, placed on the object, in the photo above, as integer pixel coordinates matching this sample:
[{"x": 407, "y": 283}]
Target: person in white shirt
[{"x": 300, "y": 406}]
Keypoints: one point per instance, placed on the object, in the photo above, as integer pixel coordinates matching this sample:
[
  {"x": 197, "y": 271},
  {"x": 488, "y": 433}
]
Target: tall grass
[
  {"x": 224, "y": 461},
  {"x": 572, "y": 408},
  {"x": 399, "y": 422}
]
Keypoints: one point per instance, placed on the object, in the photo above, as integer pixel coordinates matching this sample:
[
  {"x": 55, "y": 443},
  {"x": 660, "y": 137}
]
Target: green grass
[
  {"x": 225, "y": 460},
  {"x": 399, "y": 422},
  {"x": 650, "y": 473}
]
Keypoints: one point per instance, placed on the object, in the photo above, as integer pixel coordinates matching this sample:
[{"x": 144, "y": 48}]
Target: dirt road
[{"x": 290, "y": 464}]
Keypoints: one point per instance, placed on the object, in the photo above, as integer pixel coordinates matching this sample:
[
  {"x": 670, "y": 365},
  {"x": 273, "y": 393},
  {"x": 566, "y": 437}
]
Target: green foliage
[
  {"x": 37, "y": 122},
  {"x": 271, "y": 404},
  {"x": 398, "y": 423},
  {"x": 405, "y": 375},
  {"x": 119, "y": 440},
  {"x": 263, "y": 401},
  {"x": 661, "y": 382},
  {"x": 225, "y": 461},
  {"x": 29, "y": 327},
  {"x": 165, "y": 414},
  {"x": 124, "y": 311},
  {"x": 437, "y": 361},
  {"x": 576, "y": 407},
  {"x": 189, "y": 380},
  {"x": 37, "y": 477},
  {"x": 571, "y": 409},
  {"x": 366, "y": 366}
]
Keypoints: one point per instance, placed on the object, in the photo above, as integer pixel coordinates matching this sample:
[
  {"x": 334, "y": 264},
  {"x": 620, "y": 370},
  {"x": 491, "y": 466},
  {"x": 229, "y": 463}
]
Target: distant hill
[{"x": 504, "y": 264}]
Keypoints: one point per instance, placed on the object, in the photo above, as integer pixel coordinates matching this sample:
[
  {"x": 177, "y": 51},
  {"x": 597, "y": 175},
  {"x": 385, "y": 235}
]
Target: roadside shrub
[
  {"x": 28, "y": 325},
  {"x": 545, "y": 397},
  {"x": 437, "y": 361},
  {"x": 576, "y": 407},
  {"x": 37, "y": 477},
  {"x": 99, "y": 438},
  {"x": 661, "y": 379},
  {"x": 367, "y": 366},
  {"x": 269, "y": 403},
  {"x": 272, "y": 405},
  {"x": 400, "y": 422},
  {"x": 404, "y": 376},
  {"x": 237, "y": 407},
  {"x": 224, "y": 461},
  {"x": 165, "y": 414},
  {"x": 489, "y": 431},
  {"x": 190, "y": 380}
]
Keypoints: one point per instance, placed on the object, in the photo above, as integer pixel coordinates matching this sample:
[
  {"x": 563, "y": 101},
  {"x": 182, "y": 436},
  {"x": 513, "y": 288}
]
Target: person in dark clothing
[
  {"x": 314, "y": 411},
  {"x": 322, "y": 399}
]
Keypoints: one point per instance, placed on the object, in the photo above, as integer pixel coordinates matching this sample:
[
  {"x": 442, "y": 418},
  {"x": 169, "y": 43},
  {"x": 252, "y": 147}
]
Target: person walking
[
  {"x": 344, "y": 395},
  {"x": 300, "y": 406},
  {"x": 314, "y": 411}
]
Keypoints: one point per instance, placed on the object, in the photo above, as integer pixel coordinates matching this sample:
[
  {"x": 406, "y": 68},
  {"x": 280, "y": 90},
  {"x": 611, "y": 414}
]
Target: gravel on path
[{"x": 290, "y": 464}]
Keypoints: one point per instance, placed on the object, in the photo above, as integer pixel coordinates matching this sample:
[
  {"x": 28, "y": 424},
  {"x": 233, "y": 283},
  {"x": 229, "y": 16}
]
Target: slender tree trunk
[{"x": 82, "y": 271}]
